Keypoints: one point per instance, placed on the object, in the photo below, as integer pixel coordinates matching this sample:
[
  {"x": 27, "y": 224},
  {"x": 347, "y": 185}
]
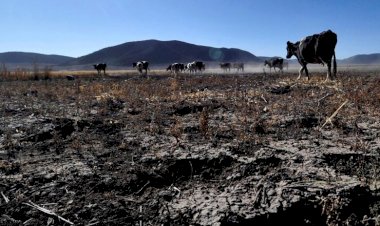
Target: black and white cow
[
  {"x": 225, "y": 66},
  {"x": 315, "y": 49},
  {"x": 100, "y": 67},
  {"x": 175, "y": 68},
  {"x": 190, "y": 67},
  {"x": 199, "y": 65},
  {"x": 275, "y": 62},
  {"x": 196, "y": 66},
  {"x": 238, "y": 66},
  {"x": 141, "y": 65}
]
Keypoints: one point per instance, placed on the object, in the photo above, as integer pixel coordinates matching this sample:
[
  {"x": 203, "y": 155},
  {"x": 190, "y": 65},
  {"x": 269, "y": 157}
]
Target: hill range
[
  {"x": 30, "y": 58},
  {"x": 363, "y": 59},
  {"x": 157, "y": 53},
  {"x": 163, "y": 52}
]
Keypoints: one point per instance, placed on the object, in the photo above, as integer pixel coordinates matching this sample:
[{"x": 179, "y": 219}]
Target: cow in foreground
[
  {"x": 100, "y": 67},
  {"x": 141, "y": 65},
  {"x": 315, "y": 49},
  {"x": 274, "y": 63}
]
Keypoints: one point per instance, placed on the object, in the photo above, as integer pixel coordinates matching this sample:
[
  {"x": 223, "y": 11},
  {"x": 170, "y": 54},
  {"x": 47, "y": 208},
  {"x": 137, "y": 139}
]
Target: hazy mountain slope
[
  {"x": 25, "y": 57},
  {"x": 363, "y": 59},
  {"x": 163, "y": 52}
]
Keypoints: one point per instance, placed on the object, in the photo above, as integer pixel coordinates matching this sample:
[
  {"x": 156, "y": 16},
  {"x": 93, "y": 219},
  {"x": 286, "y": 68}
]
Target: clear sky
[{"x": 79, "y": 27}]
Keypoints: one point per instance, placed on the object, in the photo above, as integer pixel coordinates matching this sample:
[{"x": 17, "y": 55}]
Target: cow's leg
[
  {"x": 328, "y": 77},
  {"x": 307, "y": 73},
  {"x": 300, "y": 72}
]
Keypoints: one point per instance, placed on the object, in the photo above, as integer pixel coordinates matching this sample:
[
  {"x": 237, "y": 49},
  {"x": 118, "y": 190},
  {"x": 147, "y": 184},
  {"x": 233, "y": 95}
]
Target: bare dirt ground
[{"x": 194, "y": 150}]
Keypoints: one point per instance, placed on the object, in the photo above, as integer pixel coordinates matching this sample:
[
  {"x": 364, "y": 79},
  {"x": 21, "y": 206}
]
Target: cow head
[
  {"x": 266, "y": 63},
  {"x": 291, "y": 49}
]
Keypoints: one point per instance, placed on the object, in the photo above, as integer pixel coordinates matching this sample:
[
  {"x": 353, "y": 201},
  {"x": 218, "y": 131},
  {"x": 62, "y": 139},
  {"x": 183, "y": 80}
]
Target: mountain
[
  {"x": 163, "y": 52},
  {"x": 30, "y": 58},
  {"x": 157, "y": 53},
  {"x": 363, "y": 59}
]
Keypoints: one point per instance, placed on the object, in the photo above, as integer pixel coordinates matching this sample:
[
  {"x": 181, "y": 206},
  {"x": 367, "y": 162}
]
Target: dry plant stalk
[
  {"x": 6, "y": 199},
  {"x": 49, "y": 212},
  {"x": 334, "y": 114}
]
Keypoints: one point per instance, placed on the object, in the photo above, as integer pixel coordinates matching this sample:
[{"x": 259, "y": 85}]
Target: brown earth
[{"x": 194, "y": 150}]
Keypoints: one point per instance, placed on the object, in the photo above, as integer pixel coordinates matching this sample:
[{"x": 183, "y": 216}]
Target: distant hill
[
  {"x": 363, "y": 59},
  {"x": 163, "y": 52},
  {"x": 29, "y": 58},
  {"x": 157, "y": 52}
]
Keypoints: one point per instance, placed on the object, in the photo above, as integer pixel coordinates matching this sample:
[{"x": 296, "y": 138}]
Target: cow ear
[{"x": 288, "y": 43}]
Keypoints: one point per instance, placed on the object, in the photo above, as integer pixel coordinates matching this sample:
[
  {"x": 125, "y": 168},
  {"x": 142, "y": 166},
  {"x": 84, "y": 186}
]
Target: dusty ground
[{"x": 194, "y": 150}]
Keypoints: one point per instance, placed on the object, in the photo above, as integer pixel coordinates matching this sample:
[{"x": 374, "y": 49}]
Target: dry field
[{"x": 206, "y": 149}]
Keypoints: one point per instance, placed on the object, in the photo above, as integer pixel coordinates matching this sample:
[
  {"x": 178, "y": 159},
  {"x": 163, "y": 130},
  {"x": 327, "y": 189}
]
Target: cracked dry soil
[{"x": 194, "y": 150}]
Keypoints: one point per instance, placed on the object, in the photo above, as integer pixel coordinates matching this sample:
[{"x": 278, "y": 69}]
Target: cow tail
[{"x": 334, "y": 64}]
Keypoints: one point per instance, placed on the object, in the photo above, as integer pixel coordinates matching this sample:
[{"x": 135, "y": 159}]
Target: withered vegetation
[{"x": 196, "y": 149}]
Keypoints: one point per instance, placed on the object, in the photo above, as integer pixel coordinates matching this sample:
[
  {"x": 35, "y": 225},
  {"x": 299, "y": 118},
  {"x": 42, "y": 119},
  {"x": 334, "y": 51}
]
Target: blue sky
[{"x": 79, "y": 27}]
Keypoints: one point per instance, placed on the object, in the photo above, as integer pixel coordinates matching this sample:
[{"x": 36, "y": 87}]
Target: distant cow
[
  {"x": 141, "y": 65},
  {"x": 175, "y": 68},
  {"x": 238, "y": 66},
  {"x": 196, "y": 66},
  {"x": 190, "y": 67},
  {"x": 274, "y": 63},
  {"x": 285, "y": 64},
  {"x": 70, "y": 77},
  {"x": 225, "y": 66},
  {"x": 315, "y": 49},
  {"x": 199, "y": 65},
  {"x": 100, "y": 67}
]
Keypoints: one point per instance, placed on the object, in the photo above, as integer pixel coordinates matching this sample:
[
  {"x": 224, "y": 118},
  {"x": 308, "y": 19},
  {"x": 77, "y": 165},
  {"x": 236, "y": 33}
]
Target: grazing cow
[
  {"x": 100, "y": 67},
  {"x": 238, "y": 66},
  {"x": 274, "y": 62},
  {"x": 315, "y": 49},
  {"x": 225, "y": 66},
  {"x": 141, "y": 65}
]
